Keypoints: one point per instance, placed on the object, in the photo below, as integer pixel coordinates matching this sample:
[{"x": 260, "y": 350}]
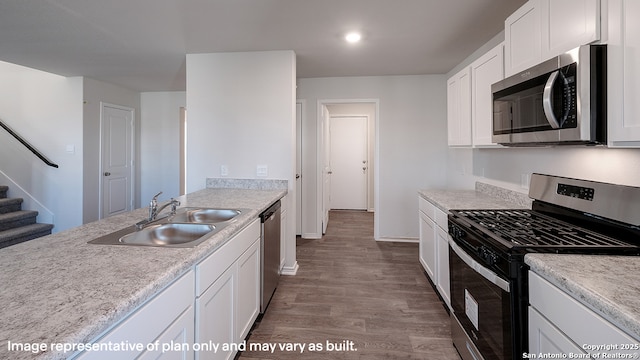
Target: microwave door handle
[{"x": 546, "y": 100}]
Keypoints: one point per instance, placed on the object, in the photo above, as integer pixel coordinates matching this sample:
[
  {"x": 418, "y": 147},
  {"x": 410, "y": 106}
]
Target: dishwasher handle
[{"x": 270, "y": 211}]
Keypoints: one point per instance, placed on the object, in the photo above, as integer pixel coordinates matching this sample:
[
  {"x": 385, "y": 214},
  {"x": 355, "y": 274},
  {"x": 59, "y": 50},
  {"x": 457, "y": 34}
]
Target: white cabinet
[
  {"x": 559, "y": 324},
  {"x": 459, "y": 108},
  {"x": 522, "y": 38},
  {"x": 215, "y": 316},
  {"x": 167, "y": 316},
  {"x": 485, "y": 71},
  {"x": 623, "y": 73},
  {"x": 434, "y": 247},
  {"x": 428, "y": 245},
  {"x": 567, "y": 24},
  {"x": 227, "y": 293},
  {"x": 542, "y": 29},
  {"x": 248, "y": 303}
]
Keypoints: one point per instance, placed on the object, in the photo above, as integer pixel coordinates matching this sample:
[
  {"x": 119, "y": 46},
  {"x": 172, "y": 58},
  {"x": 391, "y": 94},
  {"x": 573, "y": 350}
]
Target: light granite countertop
[
  {"x": 59, "y": 289},
  {"x": 609, "y": 285},
  {"x": 483, "y": 197}
]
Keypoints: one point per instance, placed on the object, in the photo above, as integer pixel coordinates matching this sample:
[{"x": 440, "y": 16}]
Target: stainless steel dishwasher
[{"x": 269, "y": 253}]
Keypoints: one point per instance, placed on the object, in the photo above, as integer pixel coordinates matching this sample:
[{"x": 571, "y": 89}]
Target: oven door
[{"x": 481, "y": 302}]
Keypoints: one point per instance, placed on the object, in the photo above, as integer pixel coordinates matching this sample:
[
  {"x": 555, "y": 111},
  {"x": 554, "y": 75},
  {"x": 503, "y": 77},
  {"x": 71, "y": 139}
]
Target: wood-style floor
[{"x": 369, "y": 299}]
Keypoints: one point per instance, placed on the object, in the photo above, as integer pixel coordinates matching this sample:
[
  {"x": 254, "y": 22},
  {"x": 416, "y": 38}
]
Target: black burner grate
[{"x": 525, "y": 228}]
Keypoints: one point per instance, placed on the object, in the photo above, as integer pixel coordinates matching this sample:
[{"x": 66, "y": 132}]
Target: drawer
[
  {"x": 209, "y": 269},
  {"x": 441, "y": 219},
  {"x": 426, "y": 207}
]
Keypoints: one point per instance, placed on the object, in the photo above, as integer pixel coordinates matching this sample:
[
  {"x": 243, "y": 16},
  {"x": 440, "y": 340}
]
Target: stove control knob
[{"x": 489, "y": 257}]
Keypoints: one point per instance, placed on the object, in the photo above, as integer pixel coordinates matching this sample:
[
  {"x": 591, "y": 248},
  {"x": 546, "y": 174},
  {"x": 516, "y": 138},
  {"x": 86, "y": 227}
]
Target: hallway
[{"x": 363, "y": 299}]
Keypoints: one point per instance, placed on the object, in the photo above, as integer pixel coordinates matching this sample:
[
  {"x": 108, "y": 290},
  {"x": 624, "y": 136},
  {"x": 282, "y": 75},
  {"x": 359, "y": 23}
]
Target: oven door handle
[{"x": 486, "y": 273}]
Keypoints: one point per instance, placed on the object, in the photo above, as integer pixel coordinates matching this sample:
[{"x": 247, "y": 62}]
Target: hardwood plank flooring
[{"x": 350, "y": 288}]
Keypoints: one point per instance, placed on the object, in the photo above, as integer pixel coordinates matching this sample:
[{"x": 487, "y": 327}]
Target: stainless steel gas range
[{"x": 489, "y": 290}]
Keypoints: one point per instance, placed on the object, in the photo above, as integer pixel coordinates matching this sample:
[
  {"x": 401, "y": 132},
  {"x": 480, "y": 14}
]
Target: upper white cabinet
[
  {"x": 542, "y": 29},
  {"x": 459, "y": 108},
  {"x": 567, "y": 24},
  {"x": 485, "y": 71},
  {"x": 623, "y": 72},
  {"x": 522, "y": 38}
]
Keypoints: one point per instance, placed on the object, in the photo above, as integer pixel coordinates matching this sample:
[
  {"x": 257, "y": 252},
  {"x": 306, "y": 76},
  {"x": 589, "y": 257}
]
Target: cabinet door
[
  {"x": 522, "y": 38},
  {"x": 215, "y": 316},
  {"x": 623, "y": 72},
  {"x": 568, "y": 24},
  {"x": 485, "y": 71},
  {"x": 546, "y": 338},
  {"x": 459, "y": 108},
  {"x": 181, "y": 332},
  {"x": 442, "y": 240},
  {"x": 428, "y": 246},
  {"x": 248, "y": 298}
]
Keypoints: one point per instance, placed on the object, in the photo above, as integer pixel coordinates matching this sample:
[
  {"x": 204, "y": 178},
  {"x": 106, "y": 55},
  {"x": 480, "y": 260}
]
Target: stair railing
[{"x": 28, "y": 146}]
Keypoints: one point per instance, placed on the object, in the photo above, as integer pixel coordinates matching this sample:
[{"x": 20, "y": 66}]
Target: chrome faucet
[{"x": 154, "y": 210}]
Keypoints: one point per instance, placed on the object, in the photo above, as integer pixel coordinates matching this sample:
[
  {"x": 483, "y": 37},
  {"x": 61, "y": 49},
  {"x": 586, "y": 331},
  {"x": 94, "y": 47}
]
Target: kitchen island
[{"x": 59, "y": 289}]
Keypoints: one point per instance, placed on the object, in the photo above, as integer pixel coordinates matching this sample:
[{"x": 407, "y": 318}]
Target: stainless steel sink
[
  {"x": 160, "y": 234},
  {"x": 176, "y": 235},
  {"x": 189, "y": 227},
  {"x": 204, "y": 215}
]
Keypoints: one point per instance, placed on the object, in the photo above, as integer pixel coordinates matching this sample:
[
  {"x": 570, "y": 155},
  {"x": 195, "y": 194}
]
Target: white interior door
[
  {"x": 349, "y": 162},
  {"x": 298, "y": 168},
  {"x": 117, "y": 124}
]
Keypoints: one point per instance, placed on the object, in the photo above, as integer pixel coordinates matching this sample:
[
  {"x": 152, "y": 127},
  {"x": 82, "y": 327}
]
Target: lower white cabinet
[
  {"x": 434, "y": 247},
  {"x": 559, "y": 324},
  {"x": 168, "y": 316},
  {"x": 227, "y": 294}
]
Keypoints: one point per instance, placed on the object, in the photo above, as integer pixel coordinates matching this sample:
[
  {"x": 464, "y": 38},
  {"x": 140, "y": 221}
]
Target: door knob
[
  {"x": 107, "y": 173},
  {"x": 297, "y": 176}
]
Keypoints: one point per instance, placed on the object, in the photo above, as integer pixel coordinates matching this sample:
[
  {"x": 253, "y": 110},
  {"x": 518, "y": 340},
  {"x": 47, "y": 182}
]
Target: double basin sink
[{"x": 188, "y": 227}]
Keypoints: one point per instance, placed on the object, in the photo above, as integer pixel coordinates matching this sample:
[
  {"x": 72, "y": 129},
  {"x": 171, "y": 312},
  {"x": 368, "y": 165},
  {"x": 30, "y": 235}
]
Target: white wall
[
  {"x": 95, "y": 92},
  {"x": 46, "y": 110},
  {"x": 411, "y": 143},
  {"x": 160, "y": 144},
  {"x": 241, "y": 113}
]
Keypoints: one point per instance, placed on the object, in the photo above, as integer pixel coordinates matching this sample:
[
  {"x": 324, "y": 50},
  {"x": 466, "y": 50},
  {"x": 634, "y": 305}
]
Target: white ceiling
[{"x": 141, "y": 44}]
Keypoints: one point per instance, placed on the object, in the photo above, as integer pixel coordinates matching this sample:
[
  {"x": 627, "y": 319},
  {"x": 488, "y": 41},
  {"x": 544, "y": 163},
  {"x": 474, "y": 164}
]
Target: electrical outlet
[
  {"x": 224, "y": 170},
  {"x": 524, "y": 181},
  {"x": 262, "y": 171}
]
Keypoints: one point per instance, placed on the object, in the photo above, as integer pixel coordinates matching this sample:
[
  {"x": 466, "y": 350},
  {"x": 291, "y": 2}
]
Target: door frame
[
  {"x": 132, "y": 111},
  {"x": 321, "y": 104}
]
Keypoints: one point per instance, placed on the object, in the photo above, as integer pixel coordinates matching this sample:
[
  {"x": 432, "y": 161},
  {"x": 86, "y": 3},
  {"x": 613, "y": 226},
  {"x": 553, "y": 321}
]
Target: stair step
[
  {"x": 17, "y": 219},
  {"x": 8, "y": 205},
  {"x": 3, "y": 191},
  {"x": 24, "y": 233}
]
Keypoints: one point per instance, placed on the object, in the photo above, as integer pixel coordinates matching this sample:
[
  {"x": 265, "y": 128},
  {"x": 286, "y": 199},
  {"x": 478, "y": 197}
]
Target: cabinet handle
[{"x": 107, "y": 173}]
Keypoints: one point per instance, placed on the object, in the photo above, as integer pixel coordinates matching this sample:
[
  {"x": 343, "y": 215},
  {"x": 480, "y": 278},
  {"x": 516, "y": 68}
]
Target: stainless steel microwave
[{"x": 560, "y": 101}]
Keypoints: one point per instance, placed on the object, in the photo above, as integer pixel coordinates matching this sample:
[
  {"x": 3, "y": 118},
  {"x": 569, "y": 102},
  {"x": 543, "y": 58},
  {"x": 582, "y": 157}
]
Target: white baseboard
[
  {"x": 311, "y": 236},
  {"x": 290, "y": 271},
  {"x": 406, "y": 240}
]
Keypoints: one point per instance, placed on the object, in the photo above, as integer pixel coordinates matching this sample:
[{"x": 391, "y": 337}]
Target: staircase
[{"x": 17, "y": 225}]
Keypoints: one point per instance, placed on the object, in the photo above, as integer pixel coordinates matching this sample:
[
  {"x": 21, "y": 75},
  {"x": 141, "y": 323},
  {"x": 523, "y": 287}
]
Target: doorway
[
  {"x": 351, "y": 117},
  {"x": 348, "y": 162},
  {"x": 116, "y": 159}
]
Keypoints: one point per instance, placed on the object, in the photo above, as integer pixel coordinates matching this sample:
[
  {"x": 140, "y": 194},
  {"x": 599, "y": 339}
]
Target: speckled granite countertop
[
  {"x": 609, "y": 285},
  {"x": 61, "y": 289},
  {"x": 483, "y": 197}
]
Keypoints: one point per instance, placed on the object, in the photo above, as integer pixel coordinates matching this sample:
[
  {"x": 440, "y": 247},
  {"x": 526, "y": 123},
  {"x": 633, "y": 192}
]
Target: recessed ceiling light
[{"x": 353, "y": 37}]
